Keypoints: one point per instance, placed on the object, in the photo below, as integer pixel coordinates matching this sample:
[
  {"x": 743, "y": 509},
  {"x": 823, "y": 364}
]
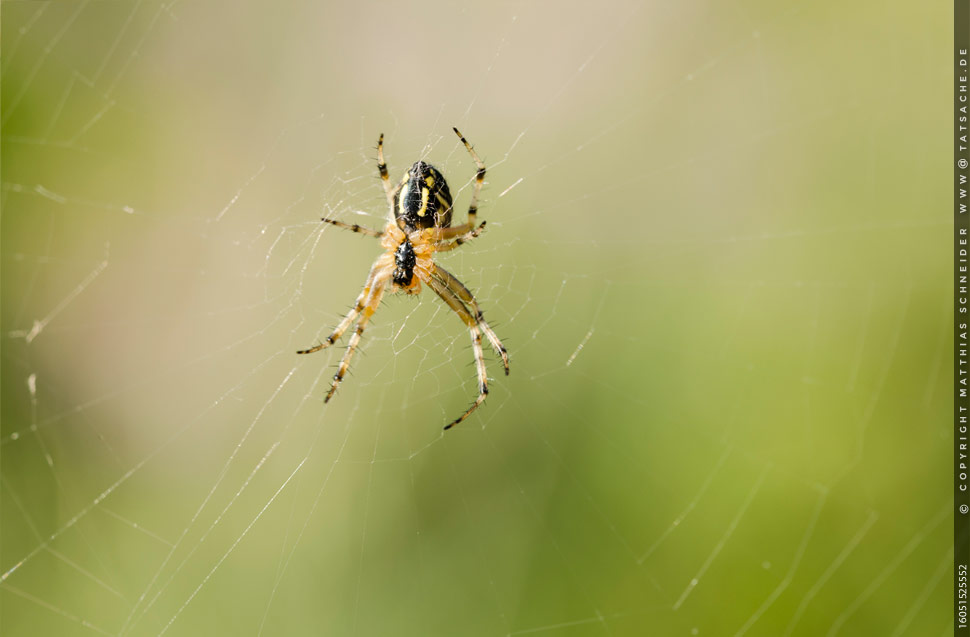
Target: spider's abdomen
[
  {"x": 405, "y": 260},
  {"x": 422, "y": 200}
]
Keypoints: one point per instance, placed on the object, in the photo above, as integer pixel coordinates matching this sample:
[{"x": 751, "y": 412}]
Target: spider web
[{"x": 709, "y": 253}]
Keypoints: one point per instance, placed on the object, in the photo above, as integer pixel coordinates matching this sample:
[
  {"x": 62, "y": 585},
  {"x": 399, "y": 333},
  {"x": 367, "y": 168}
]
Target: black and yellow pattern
[{"x": 422, "y": 199}]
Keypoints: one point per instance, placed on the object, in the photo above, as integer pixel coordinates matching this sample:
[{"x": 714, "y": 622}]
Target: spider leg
[
  {"x": 382, "y": 167},
  {"x": 459, "y": 308},
  {"x": 445, "y": 246},
  {"x": 354, "y": 228},
  {"x": 479, "y": 179},
  {"x": 366, "y": 313},
  {"x": 352, "y": 314},
  {"x": 459, "y": 289},
  {"x": 451, "y": 232}
]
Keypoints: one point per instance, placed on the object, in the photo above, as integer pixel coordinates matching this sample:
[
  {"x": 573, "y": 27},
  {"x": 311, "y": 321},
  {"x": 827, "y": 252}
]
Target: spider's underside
[{"x": 420, "y": 225}]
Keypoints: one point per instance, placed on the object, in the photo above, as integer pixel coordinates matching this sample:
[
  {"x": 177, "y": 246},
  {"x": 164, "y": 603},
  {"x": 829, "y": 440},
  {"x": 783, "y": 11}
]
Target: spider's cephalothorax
[
  {"x": 422, "y": 199},
  {"x": 405, "y": 261},
  {"x": 420, "y": 225}
]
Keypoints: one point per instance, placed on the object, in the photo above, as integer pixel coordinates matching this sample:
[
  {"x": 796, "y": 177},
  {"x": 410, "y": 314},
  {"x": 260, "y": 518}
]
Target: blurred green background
[{"x": 714, "y": 251}]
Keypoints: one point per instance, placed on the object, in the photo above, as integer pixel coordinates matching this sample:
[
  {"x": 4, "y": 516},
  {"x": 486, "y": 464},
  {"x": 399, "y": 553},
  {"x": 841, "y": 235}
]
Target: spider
[{"x": 419, "y": 226}]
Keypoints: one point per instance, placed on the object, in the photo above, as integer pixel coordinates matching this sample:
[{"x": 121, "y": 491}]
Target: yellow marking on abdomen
[{"x": 424, "y": 202}]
